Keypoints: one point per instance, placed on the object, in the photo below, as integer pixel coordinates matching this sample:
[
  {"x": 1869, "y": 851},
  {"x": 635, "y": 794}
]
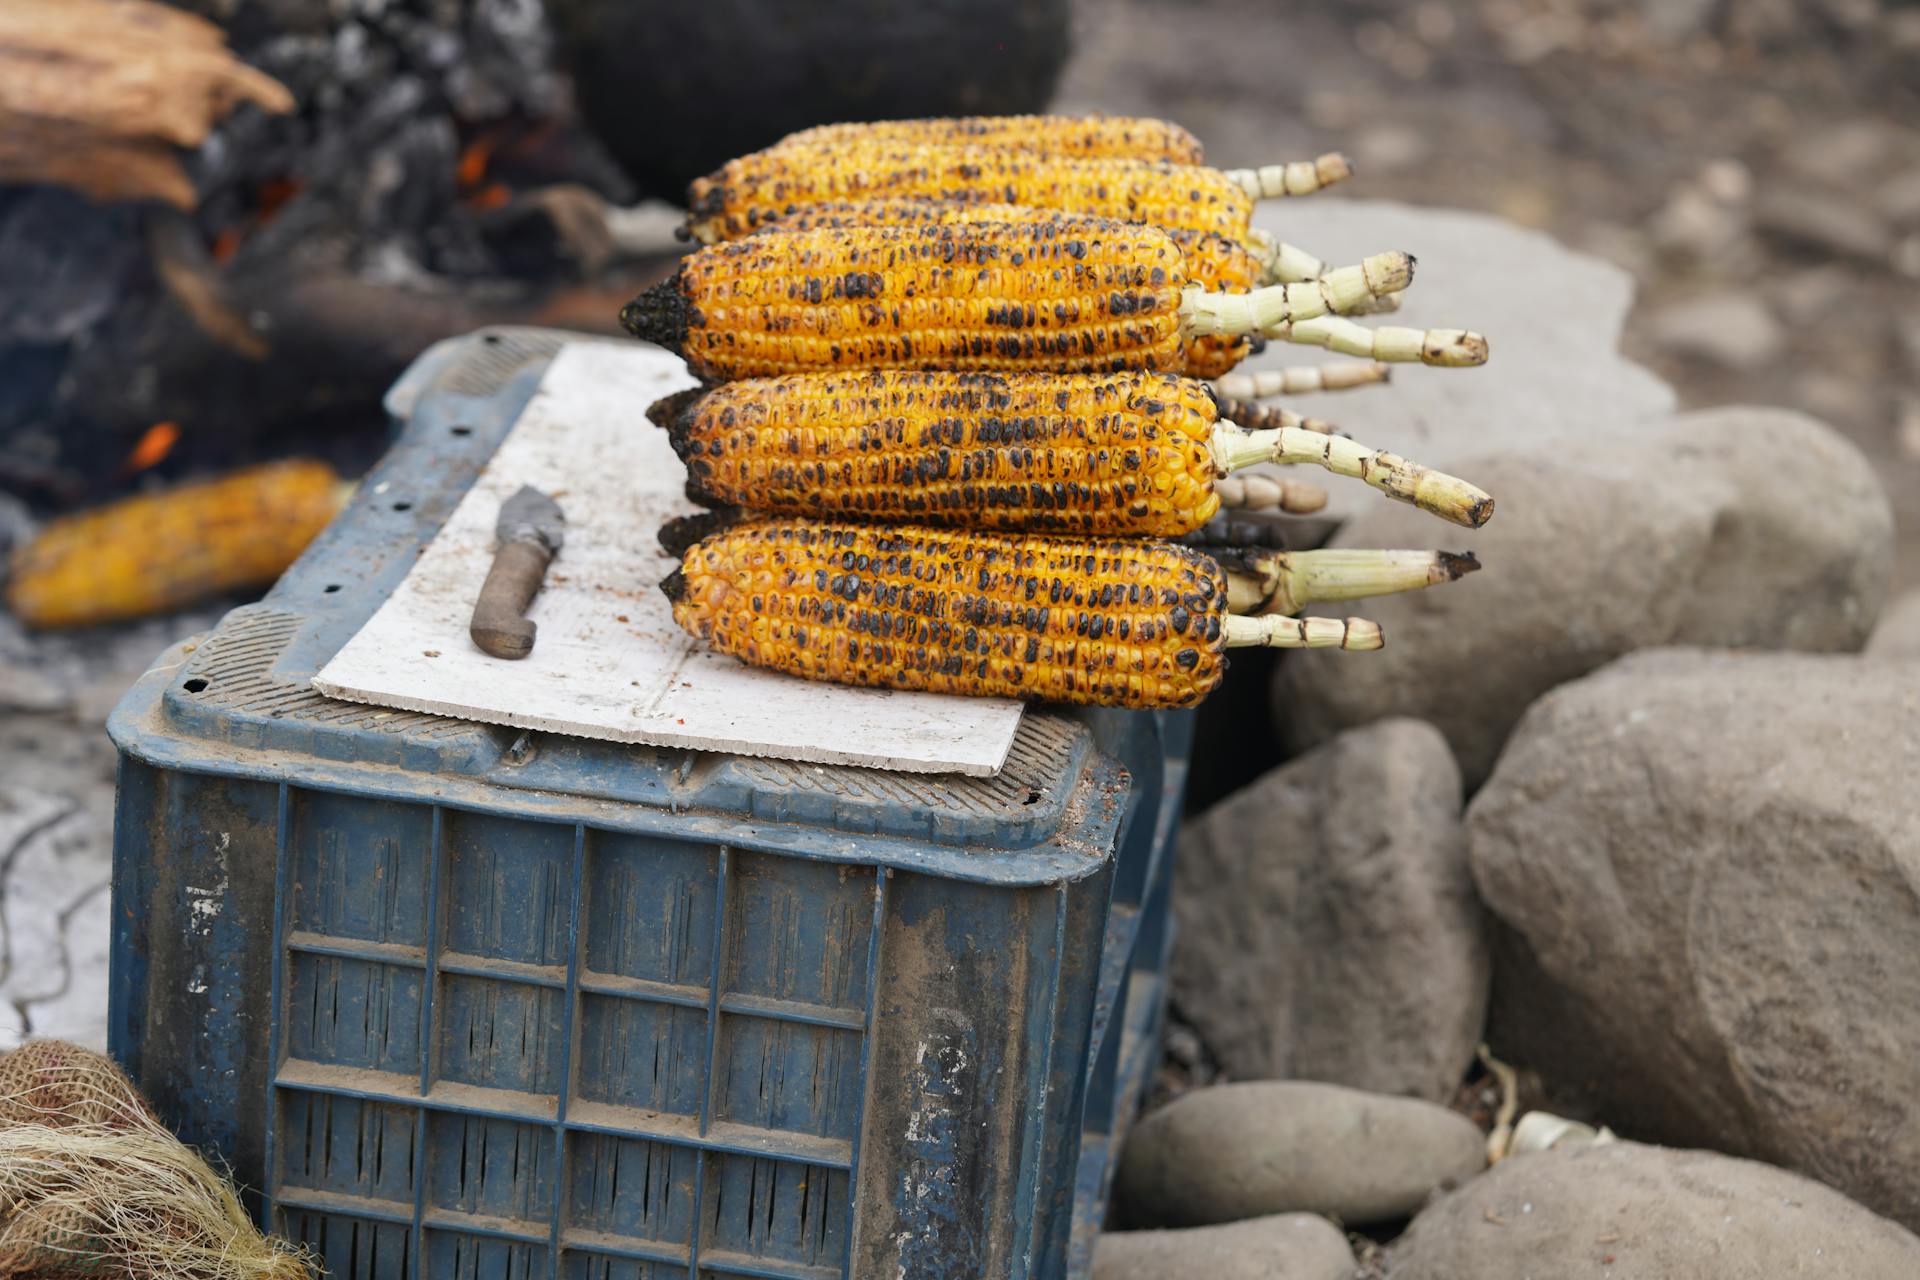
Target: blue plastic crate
[{"x": 474, "y": 1004}]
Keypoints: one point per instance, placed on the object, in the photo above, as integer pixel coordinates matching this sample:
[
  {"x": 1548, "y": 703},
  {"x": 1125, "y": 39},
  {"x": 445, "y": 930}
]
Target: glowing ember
[{"x": 155, "y": 444}]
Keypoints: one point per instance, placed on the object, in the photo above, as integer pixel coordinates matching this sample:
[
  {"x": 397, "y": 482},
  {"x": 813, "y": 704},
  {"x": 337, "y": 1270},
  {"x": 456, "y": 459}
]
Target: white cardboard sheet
[{"x": 608, "y": 661}]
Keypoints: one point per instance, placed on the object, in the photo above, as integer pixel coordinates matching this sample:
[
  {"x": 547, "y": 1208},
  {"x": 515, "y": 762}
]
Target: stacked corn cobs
[{"x": 951, "y": 421}]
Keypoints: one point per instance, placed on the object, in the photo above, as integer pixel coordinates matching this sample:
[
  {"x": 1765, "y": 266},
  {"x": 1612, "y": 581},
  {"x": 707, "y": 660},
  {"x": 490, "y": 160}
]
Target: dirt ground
[{"x": 1754, "y": 163}]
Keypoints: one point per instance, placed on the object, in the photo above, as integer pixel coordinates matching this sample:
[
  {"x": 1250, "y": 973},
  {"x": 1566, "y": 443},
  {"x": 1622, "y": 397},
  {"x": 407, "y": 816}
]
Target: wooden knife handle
[{"x": 500, "y": 626}]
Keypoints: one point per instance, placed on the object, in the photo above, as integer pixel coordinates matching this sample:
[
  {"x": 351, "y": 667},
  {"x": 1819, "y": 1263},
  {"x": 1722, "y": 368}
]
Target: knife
[{"x": 529, "y": 533}]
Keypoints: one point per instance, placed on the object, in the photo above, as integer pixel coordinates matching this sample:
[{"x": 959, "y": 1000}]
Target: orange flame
[{"x": 154, "y": 446}]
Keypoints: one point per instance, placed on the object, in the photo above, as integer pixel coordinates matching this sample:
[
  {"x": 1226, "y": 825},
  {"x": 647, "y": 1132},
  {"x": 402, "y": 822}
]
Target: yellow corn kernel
[
  {"x": 1094, "y": 454},
  {"x": 1110, "y": 137},
  {"x": 1118, "y": 623},
  {"x": 753, "y": 190},
  {"x": 158, "y": 552}
]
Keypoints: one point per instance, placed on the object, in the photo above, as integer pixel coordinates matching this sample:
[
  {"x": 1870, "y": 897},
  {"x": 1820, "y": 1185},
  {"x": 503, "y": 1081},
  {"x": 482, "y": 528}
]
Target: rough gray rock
[
  {"x": 1732, "y": 329},
  {"x": 1708, "y": 864},
  {"x": 1599, "y": 1213},
  {"x": 1328, "y": 925},
  {"x": 1898, "y": 634},
  {"x": 1288, "y": 1246},
  {"x": 1239, "y": 1151},
  {"x": 1739, "y": 527}
]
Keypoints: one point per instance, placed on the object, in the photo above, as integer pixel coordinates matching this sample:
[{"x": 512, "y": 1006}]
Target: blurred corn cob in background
[
  {"x": 163, "y": 551},
  {"x": 1096, "y": 454}
]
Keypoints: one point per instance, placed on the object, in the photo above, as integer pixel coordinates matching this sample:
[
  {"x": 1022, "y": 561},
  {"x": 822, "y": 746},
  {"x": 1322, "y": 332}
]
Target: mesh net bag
[{"x": 92, "y": 1185}]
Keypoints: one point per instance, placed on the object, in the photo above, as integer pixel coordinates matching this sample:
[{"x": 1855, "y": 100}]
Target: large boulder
[
  {"x": 1328, "y": 925},
  {"x": 1287, "y": 1246},
  {"x": 1708, "y": 866},
  {"x": 1738, "y": 527},
  {"x": 1249, "y": 1150},
  {"x": 1599, "y": 1213}
]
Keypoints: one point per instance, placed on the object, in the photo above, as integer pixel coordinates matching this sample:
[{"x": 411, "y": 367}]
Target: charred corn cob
[
  {"x": 1100, "y": 137},
  {"x": 1133, "y": 624},
  {"x": 1040, "y": 295},
  {"x": 747, "y": 193},
  {"x": 159, "y": 552},
  {"x": 1211, "y": 260},
  {"x": 1095, "y": 454}
]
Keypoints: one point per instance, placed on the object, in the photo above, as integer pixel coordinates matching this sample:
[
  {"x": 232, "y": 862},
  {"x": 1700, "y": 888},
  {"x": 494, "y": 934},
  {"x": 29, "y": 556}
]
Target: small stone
[
  {"x": 1288, "y": 1246},
  {"x": 1693, "y": 224},
  {"x": 1328, "y": 926},
  {"x": 1265, "y": 1147},
  {"x": 1705, "y": 862},
  {"x": 1607, "y": 1212},
  {"x": 1727, "y": 180},
  {"x": 1898, "y": 635},
  {"x": 1734, "y": 330},
  {"x": 1819, "y": 221}
]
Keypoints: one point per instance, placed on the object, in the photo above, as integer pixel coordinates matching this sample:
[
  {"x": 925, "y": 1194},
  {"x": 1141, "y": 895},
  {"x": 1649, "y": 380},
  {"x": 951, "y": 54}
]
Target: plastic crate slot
[
  {"x": 789, "y": 1077},
  {"x": 479, "y": 1253},
  {"x": 760, "y": 1211},
  {"x": 353, "y": 1012},
  {"x": 650, "y": 909},
  {"x": 631, "y": 1192},
  {"x": 500, "y": 1035},
  {"x": 351, "y": 1146},
  {"x": 357, "y": 871},
  {"x": 509, "y": 888},
  {"x": 491, "y": 1168},
  {"x": 801, "y": 931},
  {"x": 641, "y": 1055},
  {"x": 356, "y": 1244}
]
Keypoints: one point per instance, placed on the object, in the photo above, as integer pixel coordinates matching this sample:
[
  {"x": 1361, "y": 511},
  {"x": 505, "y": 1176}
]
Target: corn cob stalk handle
[
  {"x": 1432, "y": 491},
  {"x": 1299, "y": 178},
  {"x": 1262, "y": 383},
  {"x": 1441, "y": 348},
  {"x": 1275, "y": 631},
  {"x": 1232, "y": 314},
  {"x": 1285, "y": 582}
]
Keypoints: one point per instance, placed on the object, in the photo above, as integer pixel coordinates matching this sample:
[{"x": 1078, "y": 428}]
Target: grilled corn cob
[
  {"x": 1211, "y": 260},
  {"x": 1038, "y": 295},
  {"x": 1095, "y": 454},
  {"x": 1101, "y": 137},
  {"x": 159, "y": 552},
  {"x": 1133, "y": 624},
  {"x": 753, "y": 190}
]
